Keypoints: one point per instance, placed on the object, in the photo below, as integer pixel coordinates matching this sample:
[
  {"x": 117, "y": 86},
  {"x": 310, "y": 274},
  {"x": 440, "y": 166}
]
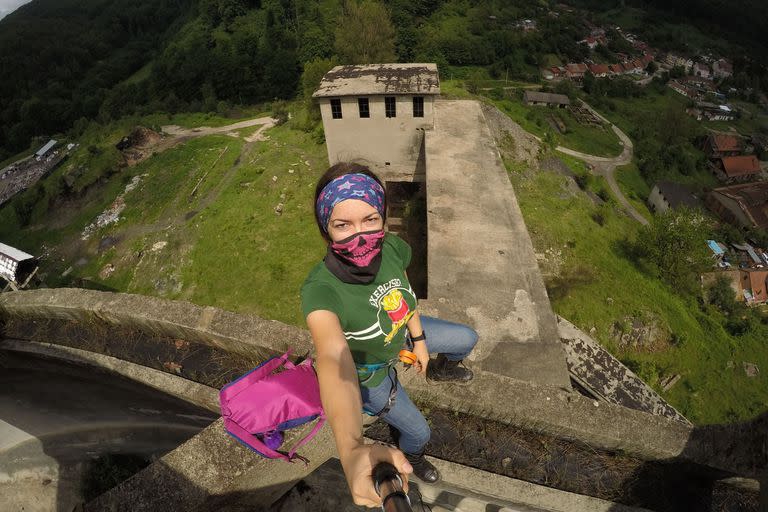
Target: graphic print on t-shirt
[{"x": 393, "y": 311}]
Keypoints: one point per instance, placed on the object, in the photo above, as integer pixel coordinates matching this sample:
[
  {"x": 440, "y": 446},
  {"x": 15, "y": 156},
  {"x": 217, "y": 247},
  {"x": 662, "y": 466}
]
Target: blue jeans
[{"x": 456, "y": 342}]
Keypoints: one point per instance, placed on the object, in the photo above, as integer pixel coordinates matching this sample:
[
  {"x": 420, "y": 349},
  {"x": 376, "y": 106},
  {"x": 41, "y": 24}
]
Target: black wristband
[{"x": 422, "y": 337}]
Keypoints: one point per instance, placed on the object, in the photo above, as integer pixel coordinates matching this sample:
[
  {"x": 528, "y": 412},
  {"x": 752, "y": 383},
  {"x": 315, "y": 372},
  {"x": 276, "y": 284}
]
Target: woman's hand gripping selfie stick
[{"x": 389, "y": 486}]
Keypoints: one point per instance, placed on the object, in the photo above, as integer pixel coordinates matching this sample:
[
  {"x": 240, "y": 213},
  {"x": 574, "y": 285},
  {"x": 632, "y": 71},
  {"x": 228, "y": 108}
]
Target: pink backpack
[{"x": 266, "y": 401}]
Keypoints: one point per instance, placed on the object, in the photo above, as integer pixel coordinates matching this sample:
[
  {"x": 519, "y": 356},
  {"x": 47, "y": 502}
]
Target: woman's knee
[{"x": 470, "y": 337}]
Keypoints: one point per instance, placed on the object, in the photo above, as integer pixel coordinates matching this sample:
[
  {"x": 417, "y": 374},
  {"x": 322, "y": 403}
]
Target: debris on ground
[
  {"x": 172, "y": 367},
  {"x": 112, "y": 214},
  {"x": 751, "y": 369},
  {"x": 107, "y": 271}
]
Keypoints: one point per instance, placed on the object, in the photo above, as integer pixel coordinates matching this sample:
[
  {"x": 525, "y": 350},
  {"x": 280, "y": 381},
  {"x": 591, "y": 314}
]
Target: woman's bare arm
[{"x": 340, "y": 394}]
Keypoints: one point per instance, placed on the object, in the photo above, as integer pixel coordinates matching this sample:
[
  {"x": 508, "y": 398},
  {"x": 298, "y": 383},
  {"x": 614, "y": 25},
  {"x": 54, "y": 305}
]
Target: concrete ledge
[
  {"x": 212, "y": 470},
  {"x": 739, "y": 449},
  {"x": 233, "y": 332}
]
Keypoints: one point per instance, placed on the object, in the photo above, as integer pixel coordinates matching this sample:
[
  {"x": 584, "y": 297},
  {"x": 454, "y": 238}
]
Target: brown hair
[{"x": 333, "y": 172}]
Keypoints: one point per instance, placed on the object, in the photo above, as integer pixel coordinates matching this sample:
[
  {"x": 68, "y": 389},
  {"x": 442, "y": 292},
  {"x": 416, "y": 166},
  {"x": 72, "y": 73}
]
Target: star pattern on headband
[{"x": 345, "y": 186}]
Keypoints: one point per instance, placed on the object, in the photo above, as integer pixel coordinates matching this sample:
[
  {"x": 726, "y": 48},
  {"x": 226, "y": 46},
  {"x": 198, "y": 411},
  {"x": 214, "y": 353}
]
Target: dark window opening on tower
[
  {"x": 362, "y": 105},
  {"x": 336, "y": 108},
  {"x": 389, "y": 106},
  {"x": 418, "y": 106}
]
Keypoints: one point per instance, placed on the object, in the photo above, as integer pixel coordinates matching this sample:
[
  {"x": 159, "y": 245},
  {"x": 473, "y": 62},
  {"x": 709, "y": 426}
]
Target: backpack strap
[
  {"x": 252, "y": 441},
  {"x": 259, "y": 373},
  {"x": 258, "y": 445},
  {"x": 307, "y": 438}
]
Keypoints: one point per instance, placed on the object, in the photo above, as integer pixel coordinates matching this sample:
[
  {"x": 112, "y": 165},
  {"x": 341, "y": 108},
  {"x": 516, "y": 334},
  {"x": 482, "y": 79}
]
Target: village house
[
  {"x": 593, "y": 41},
  {"x": 576, "y": 71},
  {"x": 718, "y": 145},
  {"x": 679, "y": 88},
  {"x": 646, "y": 59},
  {"x": 743, "y": 205},
  {"x": 667, "y": 195},
  {"x": 599, "y": 70},
  {"x": 616, "y": 69},
  {"x": 672, "y": 60},
  {"x": 748, "y": 284},
  {"x": 753, "y": 285},
  {"x": 722, "y": 69},
  {"x": 701, "y": 69},
  {"x": 736, "y": 169},
  {"x": 558, "y": 72},
  {"x": 545, "y": 99},
  {"x": 637, "y": 67},
  {"x": 376, "y": 114}
]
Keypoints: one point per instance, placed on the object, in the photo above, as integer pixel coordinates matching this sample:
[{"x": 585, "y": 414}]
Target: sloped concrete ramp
[{"x": 481, "y": 264}]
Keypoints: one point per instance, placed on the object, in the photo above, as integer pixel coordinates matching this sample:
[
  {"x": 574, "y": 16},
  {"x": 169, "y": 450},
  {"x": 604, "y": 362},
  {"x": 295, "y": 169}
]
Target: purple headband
[{"x": 350, "y": 186}]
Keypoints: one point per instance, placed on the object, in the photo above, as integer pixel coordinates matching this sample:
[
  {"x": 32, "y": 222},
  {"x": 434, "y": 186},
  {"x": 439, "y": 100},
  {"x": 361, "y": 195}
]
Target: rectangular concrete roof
[
  {"x": 14, "y": 253},
  {"x": 371, "y": 79}
]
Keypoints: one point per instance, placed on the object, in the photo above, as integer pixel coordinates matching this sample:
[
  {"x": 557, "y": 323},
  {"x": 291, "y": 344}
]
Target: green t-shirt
[{"x": 373, "y": 316}]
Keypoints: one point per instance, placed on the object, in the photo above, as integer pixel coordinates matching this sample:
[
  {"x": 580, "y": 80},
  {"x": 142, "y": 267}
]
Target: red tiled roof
[
  {"x": 627, "y": 66},
  {"x": 616, "y": 68},
  {"x": 723, "y": 142},
  {"x": 740, "y": 165},
  {"x": 647, "y": 59},
  {"x": 754, "y": 280},
  {"x": 598, "y": 69}
]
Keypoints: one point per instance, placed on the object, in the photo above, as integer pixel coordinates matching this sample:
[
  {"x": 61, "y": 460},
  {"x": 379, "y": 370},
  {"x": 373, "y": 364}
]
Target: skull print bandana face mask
[
  {"x": 356, "y": 259},
  {"x": 360, "y": 248}
]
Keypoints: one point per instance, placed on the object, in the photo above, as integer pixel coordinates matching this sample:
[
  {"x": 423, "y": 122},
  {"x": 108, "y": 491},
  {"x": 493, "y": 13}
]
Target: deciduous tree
[{"x": 364, "y": 33}]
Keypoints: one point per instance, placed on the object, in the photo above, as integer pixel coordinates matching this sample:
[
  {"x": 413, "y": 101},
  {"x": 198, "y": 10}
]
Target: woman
[{"x": 361, "y": 311}]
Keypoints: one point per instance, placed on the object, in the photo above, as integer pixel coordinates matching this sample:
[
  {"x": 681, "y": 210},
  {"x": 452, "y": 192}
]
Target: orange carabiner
[{"x": 407, "y": 357}]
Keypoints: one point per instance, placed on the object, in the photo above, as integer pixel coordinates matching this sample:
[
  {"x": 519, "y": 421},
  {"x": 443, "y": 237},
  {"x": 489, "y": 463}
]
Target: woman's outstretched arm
[{"x": 340, "y": 394}]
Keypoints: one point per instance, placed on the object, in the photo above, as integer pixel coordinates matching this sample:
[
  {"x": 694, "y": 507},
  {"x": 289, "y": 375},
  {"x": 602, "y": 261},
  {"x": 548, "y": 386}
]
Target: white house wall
[
  {"x": 657, "y": 201},
  {"x": 378, "y": 139}
]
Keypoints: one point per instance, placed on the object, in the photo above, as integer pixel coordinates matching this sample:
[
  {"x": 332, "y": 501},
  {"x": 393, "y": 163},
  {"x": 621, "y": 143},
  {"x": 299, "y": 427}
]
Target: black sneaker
[
  {"x": 443, "y": 370},
  {"x": 422, "y": 468}
]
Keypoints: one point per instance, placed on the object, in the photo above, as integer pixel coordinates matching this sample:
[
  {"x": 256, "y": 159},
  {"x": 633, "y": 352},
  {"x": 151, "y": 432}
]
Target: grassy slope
[
  {"x": 235, "y": 252},
  {"x": 225, "y": 246},
  {"x": 604, "y": 287}
]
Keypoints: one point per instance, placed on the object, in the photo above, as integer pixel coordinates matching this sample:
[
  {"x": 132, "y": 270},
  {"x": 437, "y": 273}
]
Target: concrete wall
[
  {"x": 657, "y": 201},
  {"x": 377, "y": 139}
]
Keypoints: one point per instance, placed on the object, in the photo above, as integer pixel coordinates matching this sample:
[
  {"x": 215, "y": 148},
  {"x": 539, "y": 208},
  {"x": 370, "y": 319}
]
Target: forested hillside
[
  {"x": 78, "y": 60},
  {"x": 60, "y": 59}
]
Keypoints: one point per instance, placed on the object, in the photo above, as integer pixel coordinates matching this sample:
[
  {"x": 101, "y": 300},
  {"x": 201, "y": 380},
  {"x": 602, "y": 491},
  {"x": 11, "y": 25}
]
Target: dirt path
[
  {"x": 606, "y": 167},
  {"x": 178, "y": 131}
]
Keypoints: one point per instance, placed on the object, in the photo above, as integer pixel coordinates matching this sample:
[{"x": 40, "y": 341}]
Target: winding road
[{"x": 606, "y": 167}]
